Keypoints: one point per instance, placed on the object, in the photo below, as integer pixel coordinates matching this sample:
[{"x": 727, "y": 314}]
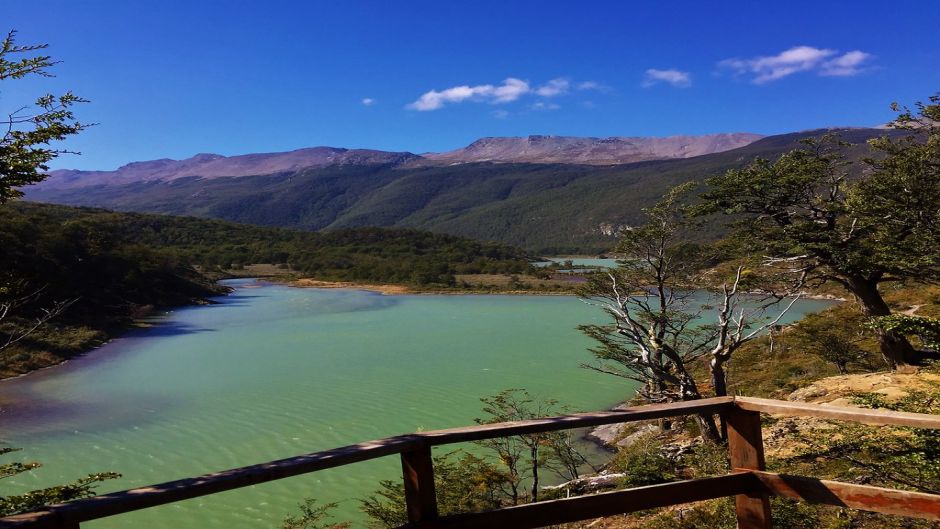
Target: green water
[
  {"x": 272, "y": 372},
  {"x": 579, "y": 261}
]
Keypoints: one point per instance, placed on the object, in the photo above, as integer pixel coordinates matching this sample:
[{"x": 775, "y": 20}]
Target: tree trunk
[
  {"x": 706, "y": 422},
  {"x": 709, "y": 429},
  {"x": 895, "y": 348},
  {"x": 719, "y": 379},
  {"x": 720, "y": 386},
  {"x": 534, "y": 454}
]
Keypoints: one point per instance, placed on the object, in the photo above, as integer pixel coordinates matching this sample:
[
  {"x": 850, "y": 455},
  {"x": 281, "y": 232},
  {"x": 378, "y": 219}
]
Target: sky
[{"x": 172, "y": 79}]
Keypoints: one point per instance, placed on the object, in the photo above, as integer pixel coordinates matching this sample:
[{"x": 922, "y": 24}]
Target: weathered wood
[
  {"x": 744, "y": 441},
  {"x": 135, "y": 499},
  {"x": 579, "y": 420},
  {"x": 862, "y": 415},
  {"x": 417, "y": 470},
  {"x": 863, "y": 497},
  {"x": 606, "y": 504},
  {"x": 184, "y": 489},
  {"x": 746, "y": 450}
]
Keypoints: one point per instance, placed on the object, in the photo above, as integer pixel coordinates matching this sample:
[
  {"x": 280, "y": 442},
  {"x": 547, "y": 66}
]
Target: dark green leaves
[{"x": 26, "y": 146}]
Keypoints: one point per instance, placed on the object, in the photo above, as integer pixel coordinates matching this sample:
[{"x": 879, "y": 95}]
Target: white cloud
[
  {"x": 500, "y": 114},
  {"x": 845, "y": 65},
  {"x": 674, "y": 77},
  {"x": 825, "y": 61},
  {"x": 368, "y": 101},
  {"x": 541, "y": 105},
  {"x": 554, "y": 87},
  {"x": 511, "y": 90}
]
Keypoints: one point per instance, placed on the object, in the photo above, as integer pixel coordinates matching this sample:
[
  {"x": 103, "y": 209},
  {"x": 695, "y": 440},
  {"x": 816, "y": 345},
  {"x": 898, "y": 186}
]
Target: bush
[{"x": 644, "y": 462}]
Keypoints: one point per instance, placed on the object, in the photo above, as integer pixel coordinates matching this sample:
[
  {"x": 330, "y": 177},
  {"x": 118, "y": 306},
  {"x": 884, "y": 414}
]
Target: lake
[
  {"x": 579, "y": 261},
  {"x": 271, "y": 372}
]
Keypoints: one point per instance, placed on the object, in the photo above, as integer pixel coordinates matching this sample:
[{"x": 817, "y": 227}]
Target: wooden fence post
[
  {"x": 417, "y": 470},
  {"x": 746, "y": 449}
]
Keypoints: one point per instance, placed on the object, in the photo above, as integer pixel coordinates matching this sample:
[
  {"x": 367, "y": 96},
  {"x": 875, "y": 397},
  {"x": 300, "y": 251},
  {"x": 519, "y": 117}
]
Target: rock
[
  {"x": 839, "y": 390},
  {"x": 807, "y": 393},
  {"x": 604, "y": 480},
  {"x": 611, "y": 435}
]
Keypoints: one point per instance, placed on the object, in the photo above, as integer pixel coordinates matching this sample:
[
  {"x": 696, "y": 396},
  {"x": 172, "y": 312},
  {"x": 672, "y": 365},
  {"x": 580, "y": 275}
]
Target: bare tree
[
  {"x": 738, "y": 324},
  {"x": 660, "y": 325},
  {"x": 17, "y": 296}
]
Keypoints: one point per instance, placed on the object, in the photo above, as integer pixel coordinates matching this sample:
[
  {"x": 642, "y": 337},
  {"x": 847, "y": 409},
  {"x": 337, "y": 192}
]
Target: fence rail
[{"x": 749, "y": 482}]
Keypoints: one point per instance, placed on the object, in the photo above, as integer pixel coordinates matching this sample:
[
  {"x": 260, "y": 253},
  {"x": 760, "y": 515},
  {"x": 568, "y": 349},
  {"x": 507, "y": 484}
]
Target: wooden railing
[{"x": 749, "y": 482}]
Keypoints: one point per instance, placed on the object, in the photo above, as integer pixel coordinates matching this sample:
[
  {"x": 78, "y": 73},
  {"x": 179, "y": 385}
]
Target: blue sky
[{"x": 172, "y": 79}]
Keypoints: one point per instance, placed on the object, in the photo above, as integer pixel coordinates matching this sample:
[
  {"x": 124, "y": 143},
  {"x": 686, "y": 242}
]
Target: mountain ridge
[
  {"x": 546, "y": 208},
  {"x": 530, "y": 149},
  {"x": 208, "y": 165},
  {"x": 588, "y": 150}
]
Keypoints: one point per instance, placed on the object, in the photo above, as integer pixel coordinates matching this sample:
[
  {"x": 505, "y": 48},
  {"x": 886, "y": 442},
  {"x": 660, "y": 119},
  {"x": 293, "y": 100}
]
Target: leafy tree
[
  {"x": 25, "y": 147},
  {"x": 805, "y": 213},
  {"x": 840, "y": 345},
  {"x": 33, "y": 500},
  {"x": 927, "y": 330},
  {"x": 524, "y": 456},
  {"x": 463, "y": 482}
]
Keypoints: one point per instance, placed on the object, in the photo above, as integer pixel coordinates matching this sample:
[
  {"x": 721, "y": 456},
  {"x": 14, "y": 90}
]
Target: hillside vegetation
[{"x": 544, "y": 208}]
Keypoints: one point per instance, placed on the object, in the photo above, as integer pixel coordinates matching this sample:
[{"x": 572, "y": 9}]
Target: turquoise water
[
  {"x": 605, "y": 263},
  {"x": 272, "y": 372}
]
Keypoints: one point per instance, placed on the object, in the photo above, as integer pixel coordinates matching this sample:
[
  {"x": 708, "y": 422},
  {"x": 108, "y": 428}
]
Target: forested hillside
[{"x": 544, "y": 208}]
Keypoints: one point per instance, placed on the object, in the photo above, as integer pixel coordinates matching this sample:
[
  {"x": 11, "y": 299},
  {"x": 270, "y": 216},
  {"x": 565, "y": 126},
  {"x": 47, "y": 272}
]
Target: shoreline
[
  {"x": 143, "y": 320},
  {"x": 391, "y": 289},
  {"x": 387, "y": 289}
]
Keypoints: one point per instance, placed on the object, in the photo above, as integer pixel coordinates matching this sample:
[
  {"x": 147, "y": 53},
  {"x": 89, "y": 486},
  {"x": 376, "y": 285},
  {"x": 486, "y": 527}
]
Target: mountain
[
  {"x": 534, "y": 149},
  {"x": 542, "y": 207},
  {"x": 591, "y": 151},
  {"x": 217, "y": 166}
]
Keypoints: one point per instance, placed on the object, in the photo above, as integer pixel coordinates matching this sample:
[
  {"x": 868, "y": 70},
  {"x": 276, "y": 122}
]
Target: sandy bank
[{"x": 382, "y": 289}]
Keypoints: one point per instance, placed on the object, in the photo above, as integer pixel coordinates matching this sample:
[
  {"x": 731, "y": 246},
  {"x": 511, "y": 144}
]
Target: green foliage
[
  {"x": 33, "y": 500},
  {"x": 644, "y": 462},
  {"x": 365, "y": 254},
  {"x": 706, "y": 459},
  {"x": 717, "y": 514},
  {"x": 795, "y": 206},
  {"x": 466, "y": 482},
  {"x": 313, "y": 516},
  {"x": 839, "y": 343},
  {"x": 463, "y": 483},
  {"x": 25, "y": 146},
  {"x": 524, "y": 456},
  {"x": 898, "y": 203},
  {"x": 925, "y": 328},
  {"x": 805, "y": 211}
]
